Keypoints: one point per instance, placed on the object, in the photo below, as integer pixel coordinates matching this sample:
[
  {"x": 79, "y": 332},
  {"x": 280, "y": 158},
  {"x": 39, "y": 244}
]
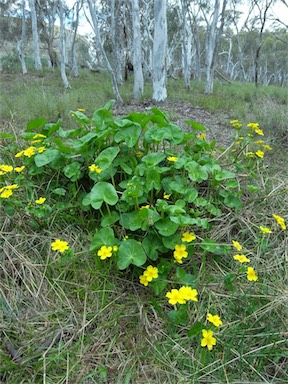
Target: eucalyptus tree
[
  {"x": 21, "y": 41},
  {"x": 213, "y": 32},
  {"x": 62, "y": 45},
  {"x": 159, "y": 51},
  {"x": 138, "y": 88},
  {"x": 94, "y": 18},
  {"x": 118, "y": 12},
  {"x": 35, "y": 35},
  {"x": 74, "y": 69}
]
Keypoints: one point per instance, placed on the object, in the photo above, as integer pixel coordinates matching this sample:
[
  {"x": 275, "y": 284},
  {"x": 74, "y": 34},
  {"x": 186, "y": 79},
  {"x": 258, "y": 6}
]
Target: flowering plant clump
[{"x": 149, "y": 194}]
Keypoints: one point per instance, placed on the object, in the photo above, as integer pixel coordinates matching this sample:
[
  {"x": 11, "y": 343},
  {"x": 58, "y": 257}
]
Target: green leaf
[
  {"x": 46, "y": 157},
  {"x": 36, "y": 124},
  {"x": 179, "y": 316},
  {"x": 182, "y": 220},
  {"x": 253, "y": 188},
  {"x": 191, "y": 194},
  {"x": 102, "y": 118},
  {"x": 6, "y": 135},
  {"x": 166, "y": 227},
  {"x": 72, "y": 171},
  {"x": 223, "y": 175},
  {"x": 153, "y": 180},
  {"x": 104, "y": 236},
  {"x": 152, "y": 245},
  {"x": 209, "y": 245},
  {"x": 69, "y": 132},
  {"x": 184, "y": 278},
  {"x": 196, "y": 172},
  {"x": 232, "y": 184},
  {"x": 59, "y": 191},
  {"x": 232, "y": 201},
  {"x": 109, "y": 219},
  {"x": 228, "y": 282},
  {"x": 106, "y": 157},
  {"x": 196, "y": 329},
  {"x": 196, "y": 126},
  {"x": 50, "y": 128},
  {"x": 80, "y": 116},
  {"x": 102, "y": 191},
  {"x": 130, "y": 252},
  {"x": 153, "y": 159},
  {"x": 130, "y": 134}
]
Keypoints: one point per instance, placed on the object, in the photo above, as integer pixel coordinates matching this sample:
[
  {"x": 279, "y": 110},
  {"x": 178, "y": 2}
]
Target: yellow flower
[
  {"x": 6, "y": 193},
  {"x": 188, "y": 293},
  {"x": 253, "y": 125},
  {"x": 81, "y": 110},
  {"x": 250, "y": 135},
  {"x": 175, "y": 297},
  {"x": 259, "y": 142},
  {"x": 187, "y": 237},
  {"x": 259, "y": 131},
  {"x": 104, "y": 252},
  {"x": 30, "y": 151},
  {"x": 115, "y": 248},
  {"x": 208, "y": 340},
  {"x": 5, "y": 169},
  {"x": 214, "y": 319},
  {"x": 13, "y": 186},
  {"x": 241, "y": 258},
  {"x": 249, "y": 154},
  {"x": 237, "y": 245},
  {"x": 260, "y": 154},
  {"x": 145, "y": 207},
  {"x": 59, "y": 245},
  {"x": 139, "y": 154},
  {"x": 19, "y": 154},
  {"x": 265, "y": 229},
  {"x": 151, "y": 273},
  {"x": 143, "y": 280},
  {"x": 39, "y": 136},
  {"x": 41, "y": 149},
  {"x": 41, "y": 200},
  {"x": 251, "y": 275},
  {"x": 236, "y": 124},
  {"x": 180, "y": 253},
  {"x": 95, "y": 168},
  {"x": 35, "y": 141},
  {"x": 166, "y": 196},
  {"x": 266, "y": 146},
  {"x": 280, "y": 221},
  {"x": 19, "y": 169},
  {"x": 202, "y": 136},
  {"x": 173, "y": 159}
]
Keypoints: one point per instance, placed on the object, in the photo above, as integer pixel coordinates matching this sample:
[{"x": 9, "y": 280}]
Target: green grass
[{"x": 81, "y": 321}]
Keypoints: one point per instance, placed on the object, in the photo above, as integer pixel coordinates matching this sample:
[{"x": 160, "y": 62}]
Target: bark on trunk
[
  {"x": 20, "y": 42},
  {"x": 159, "y": 51},
  {"x": 137, "y": 59},
  {"x": 62, "y": 46},
  {"x": 35, "y": 35},
  {"x": 74, "y": 70},
  {"x": 103, "y": 53}
]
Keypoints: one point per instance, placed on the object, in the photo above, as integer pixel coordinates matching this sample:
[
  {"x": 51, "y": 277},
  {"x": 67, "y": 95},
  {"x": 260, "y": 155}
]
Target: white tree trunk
[
  {"x": 74, "y": 70},
  {"x": 20, "y": 42},
  {"x": 159, "y": 51},
  {"x": 37, "y": 60},
  {"x": 101, "y": 49},
  {"x": 185, "y": 46},
  {"x": 62, "y": 46},
  {"x": 137, "y": 59},
  {"x": 117, "y": 39}
]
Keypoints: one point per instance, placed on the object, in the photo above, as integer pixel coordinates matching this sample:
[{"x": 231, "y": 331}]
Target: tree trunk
[
  {"x": 20, "y": 42},
  {"x": 159, "y": 51},
  {"x": 37, "y": 59},
  {"x": 74, "y": 70},
  {"x": 62, "y": 46},
  {"x": 137, "y": 59},
  {"x": 103, "y": 53},
  {"x": 117, "y": 39}
]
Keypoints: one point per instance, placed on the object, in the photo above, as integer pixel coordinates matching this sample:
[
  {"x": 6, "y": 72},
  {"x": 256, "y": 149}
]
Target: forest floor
[{"x": 75, "y": 323}]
